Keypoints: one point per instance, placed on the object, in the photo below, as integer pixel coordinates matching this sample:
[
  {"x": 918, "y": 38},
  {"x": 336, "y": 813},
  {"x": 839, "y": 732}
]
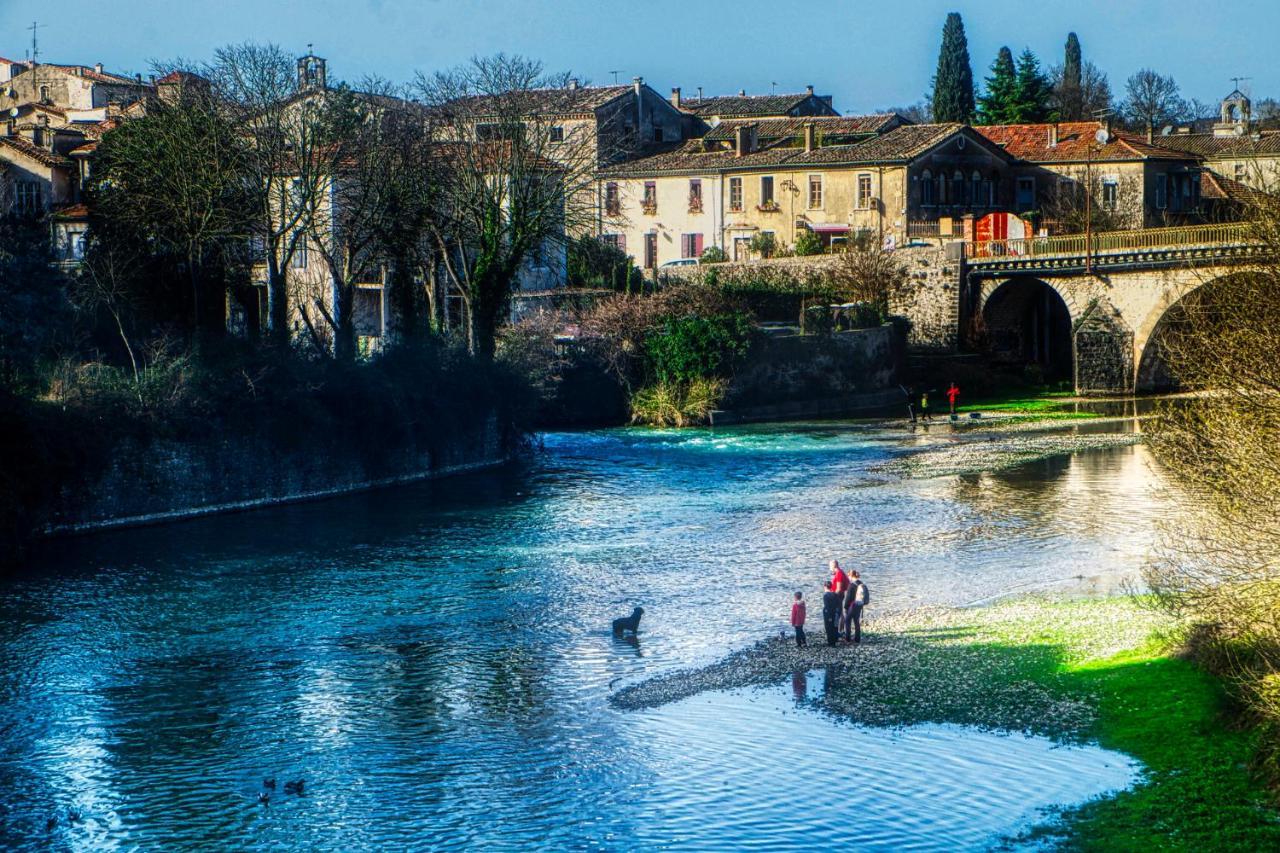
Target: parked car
[{"x": 681, "y": 262}]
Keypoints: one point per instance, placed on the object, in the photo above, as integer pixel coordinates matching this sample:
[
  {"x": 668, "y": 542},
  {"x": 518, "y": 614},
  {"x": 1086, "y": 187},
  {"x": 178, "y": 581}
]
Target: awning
[{"x": 829, "y": 228}]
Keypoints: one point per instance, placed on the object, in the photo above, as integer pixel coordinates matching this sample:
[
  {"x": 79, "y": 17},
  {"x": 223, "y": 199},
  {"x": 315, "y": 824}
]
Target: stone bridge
[{"x": 1094, "y": 313}]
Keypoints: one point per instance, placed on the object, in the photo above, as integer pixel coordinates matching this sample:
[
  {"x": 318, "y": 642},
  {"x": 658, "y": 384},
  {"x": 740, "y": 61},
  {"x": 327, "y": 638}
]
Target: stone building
[{"x": 1236, "y": 148}]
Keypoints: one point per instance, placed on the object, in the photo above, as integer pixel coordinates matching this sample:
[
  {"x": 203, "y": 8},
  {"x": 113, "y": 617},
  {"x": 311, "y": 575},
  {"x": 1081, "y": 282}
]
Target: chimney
[
  {"x": 97, "y": 67},
  {"x": 1151, "y": 134},
  {"x": 699, "y": 93},
  {"x": 152, "y": 79},
  {"x": 742, "y": 93},
  {"x": 809, "y": 90},
  {"x": 744, "y": 139},
  {"x": 636, "y": 83},
  {"x": 810, "y": 137},
  {"x": 675, "y": 97},
  {"x": 1053, "y": 136},
  {"x": 574, "y": 83}
]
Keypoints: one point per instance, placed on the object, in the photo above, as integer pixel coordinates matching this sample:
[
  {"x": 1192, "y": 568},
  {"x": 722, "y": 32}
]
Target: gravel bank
[
  {"x": 1000, "y": 450},
  {"x": 983, "y": 667}
]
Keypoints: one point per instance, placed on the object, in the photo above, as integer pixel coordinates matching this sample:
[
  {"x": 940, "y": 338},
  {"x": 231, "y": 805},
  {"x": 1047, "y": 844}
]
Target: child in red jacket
[{"x": 797, "y": 619}]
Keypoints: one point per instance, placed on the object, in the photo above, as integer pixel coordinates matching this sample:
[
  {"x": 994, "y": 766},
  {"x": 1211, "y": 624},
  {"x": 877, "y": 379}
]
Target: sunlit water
[{"x": 435, "y": 661}]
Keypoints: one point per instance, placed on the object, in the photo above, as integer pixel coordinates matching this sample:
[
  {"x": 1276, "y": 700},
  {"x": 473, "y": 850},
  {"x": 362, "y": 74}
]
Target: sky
[{"x": 867, "y": 55}]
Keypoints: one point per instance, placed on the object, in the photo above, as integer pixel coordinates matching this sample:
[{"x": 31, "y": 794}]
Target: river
[{"x": 435, "y": 661}]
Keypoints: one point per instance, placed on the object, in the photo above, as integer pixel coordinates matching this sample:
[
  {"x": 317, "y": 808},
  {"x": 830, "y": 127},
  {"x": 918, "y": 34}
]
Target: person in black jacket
[
  {"x": 831, "y": 602},
  {"x": 855, "y": 598}
]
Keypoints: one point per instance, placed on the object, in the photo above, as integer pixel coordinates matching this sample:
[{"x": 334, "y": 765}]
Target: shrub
[
  {"x": 764, "y": 244},
  {"x": 808, "y": 243},
  {"x": 596, "y": 264},
  {"x": 697, "y": 347},
  {"x": 676, "y": 404},
  {"x": 714, "y": 255}
]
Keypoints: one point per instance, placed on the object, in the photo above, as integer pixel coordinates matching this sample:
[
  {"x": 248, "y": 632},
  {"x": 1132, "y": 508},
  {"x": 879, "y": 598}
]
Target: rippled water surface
[{"x": 435, "y": 661}]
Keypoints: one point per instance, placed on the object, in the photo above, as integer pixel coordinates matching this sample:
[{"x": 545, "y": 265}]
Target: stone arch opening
[
  {"x": 1156, "y": 372},
  {"x": 1027, "y": 322}
]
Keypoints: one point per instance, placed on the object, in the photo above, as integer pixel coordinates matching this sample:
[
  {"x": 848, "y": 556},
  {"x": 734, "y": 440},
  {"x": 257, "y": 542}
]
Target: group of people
[
  {"x": 842, "y": 601},
  {"x": 952, "y": 393}
]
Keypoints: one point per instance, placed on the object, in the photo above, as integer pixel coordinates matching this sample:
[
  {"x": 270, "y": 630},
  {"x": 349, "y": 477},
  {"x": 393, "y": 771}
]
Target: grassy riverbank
[{"x": 1096, "y": 670}]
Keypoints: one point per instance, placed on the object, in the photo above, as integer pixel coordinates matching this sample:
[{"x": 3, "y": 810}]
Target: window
[
  {"x": 815, "y": 192},
  {"x": 695, "y": 195},
  {"x": 690, "y": 245},
  {"x": 1110, "y": 192},
  {"x": 957, "y": 187},
  {"x": 299, "y": 259},
  {"x": 611, "y": 205},
  {"x": 557, "y": 133},
  {"x": 864, "y": 191},
  {"x": 28, "y": 197},
  {"x": 1239, "y": 171},
  {"x": 1026, "y": 193},
  {"x": 617, "y": 241},
  {"x": 77, "y": 246},
  {"x": 976, "y": 189},
  {"x": 650, "y": 197},
  {"x": 1162, "y": 192},
  {"x": 44, "y": 94},
  {"x": 657, "y": 133},
  {"x": 926, "y": 189},
  {"x": 766, "y": 191},
  {"x": 650, "y": 250},
  {"x": 735, "y": 193}
]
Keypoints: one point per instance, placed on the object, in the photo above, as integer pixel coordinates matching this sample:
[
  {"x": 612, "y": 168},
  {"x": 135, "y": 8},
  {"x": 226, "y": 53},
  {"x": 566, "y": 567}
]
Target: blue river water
[{"x": 435, "y": 661}]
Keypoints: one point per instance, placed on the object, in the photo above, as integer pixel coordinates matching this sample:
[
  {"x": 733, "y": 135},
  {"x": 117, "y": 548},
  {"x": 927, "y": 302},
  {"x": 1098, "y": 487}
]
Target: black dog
[{"x": 630, "y": 623}]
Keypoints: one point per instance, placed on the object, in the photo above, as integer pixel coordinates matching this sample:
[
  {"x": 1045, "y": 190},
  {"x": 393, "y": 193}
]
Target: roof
[
  {"x": 744, "y": 105},
  {"x": 900, "y": 145},
  {"x": 775, "y": 128},
  {"x": 35, "y": 152},
  {"x": 1221, "y": 188},
  {"x": 1075, "y": 143},
  {"x": 562, "y": 101},
  {"x": 90, "y": 73},
  {"x": 84, "y": 150},
  {"x": 72, "y": 211},
  {"x": 1208, "y": 145}
]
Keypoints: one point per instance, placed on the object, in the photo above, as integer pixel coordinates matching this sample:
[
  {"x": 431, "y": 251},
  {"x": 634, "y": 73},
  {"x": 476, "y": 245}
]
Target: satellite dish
[
  {"x": 13, "y": 111},
  {"x": 1168, "y": 129},
  {"x": 1103, "y": 136},
  {"x": 1239, "y": 131}
]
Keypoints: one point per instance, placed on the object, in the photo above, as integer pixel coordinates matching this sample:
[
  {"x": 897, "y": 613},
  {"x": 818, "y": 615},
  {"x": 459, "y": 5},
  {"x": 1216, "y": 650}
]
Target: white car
[{"x": 682, "y": 262}]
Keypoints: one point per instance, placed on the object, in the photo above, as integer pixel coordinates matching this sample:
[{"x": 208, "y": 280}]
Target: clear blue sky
[{"x": 866, "y": 54}]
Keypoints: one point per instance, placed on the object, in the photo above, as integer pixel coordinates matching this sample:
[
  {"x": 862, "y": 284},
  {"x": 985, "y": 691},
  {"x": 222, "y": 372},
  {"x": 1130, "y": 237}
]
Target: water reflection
[{"x": 420, "y": 653}]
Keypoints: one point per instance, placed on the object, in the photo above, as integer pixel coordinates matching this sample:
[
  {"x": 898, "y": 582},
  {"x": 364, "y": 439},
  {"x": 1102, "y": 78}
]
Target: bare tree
[
  {"x": 1091, "y": 99},
  {"x": 256, "y": 83},
  {"x": 1153, "y": 100},
  {"x": 1085, "y": 197},
  {"x": 518, "y": 181}
]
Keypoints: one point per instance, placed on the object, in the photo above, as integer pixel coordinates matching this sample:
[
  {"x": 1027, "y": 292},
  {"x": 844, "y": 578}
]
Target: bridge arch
[
  {"x": 1028, "y": 321},
  {"x": 1154, "y": 372}
]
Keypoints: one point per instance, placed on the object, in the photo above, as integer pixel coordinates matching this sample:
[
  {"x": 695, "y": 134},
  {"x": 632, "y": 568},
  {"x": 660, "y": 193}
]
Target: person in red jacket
[
  {"x": 797, "y": 619},
  {"x": 953, "y": 394},
  {"x": 839, "y": 580}
]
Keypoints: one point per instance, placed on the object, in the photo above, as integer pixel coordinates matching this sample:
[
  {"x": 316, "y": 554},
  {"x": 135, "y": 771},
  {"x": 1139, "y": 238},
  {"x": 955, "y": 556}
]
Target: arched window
[
  {"x": 979, "y": 197},
  {"x": 44, "y": 94},
  {"x": 927, "y": 198},
  {"x": 957, "y": 187}
]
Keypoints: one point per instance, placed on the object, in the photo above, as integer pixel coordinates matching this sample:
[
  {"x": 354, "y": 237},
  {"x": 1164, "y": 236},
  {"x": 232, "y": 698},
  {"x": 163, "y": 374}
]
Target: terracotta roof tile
[
  {"x": 744, "y": 105},
  {"x": 566, "y": 101},
  {"x": 1222, "y": 188},
  {"x": 1030, "y": 142},
  {"x": 1208, "y": 145},
  {"x": 35, "y": 152},
  {"x": 776, "y": 128},
  {"x": 89, "y": 73}
]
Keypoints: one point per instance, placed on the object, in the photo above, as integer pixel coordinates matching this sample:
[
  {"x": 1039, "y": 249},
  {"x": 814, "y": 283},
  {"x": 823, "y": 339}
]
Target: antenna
[
  {"x": 309, "y": 49},
  {"x": 35, "y": 47},
  {"x": 773, "y": 87},
  {"x": 615, "y": 76},
  {"x": 1236, "y": 81}
]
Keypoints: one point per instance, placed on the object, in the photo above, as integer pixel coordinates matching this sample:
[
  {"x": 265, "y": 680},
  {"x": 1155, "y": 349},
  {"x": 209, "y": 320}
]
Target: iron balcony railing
[{"x": 1111, "y": 241}]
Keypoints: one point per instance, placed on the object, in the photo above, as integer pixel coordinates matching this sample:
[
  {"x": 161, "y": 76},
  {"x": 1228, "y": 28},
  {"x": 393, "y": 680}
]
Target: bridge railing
[{"x": 1109, "y": 241}]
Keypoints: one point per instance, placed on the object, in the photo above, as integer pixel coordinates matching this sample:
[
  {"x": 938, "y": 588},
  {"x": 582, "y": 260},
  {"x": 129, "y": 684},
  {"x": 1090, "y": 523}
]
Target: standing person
[
  {"x": 797, "y": 620},
  {"x": 831, "y": 616},
  {"x": 855, "y": 599},
  {"x": 911, "y": 407},
  {"x": 953, "y": 394},
  {"x": 839, "y": 580},
  {"x": 924, "y": 406}
]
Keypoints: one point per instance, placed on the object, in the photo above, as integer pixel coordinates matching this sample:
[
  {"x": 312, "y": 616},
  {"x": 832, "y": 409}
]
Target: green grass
[{"x": 1094, "y": 670}]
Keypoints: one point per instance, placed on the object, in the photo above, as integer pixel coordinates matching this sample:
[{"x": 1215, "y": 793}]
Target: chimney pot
[
  {"x": 810, "y": 137},
  {"x": 573, "y": 83},
  {"x": 675, "y": 97},
  {"x": 699, "y": 93},
  {"x": 97, "y": 67},
  {"x": 636, "y": 83},
  {"x": 1053, "y": 136},
  {"x": 809, "y": 89},
  {"x": 742, "y": 93}
]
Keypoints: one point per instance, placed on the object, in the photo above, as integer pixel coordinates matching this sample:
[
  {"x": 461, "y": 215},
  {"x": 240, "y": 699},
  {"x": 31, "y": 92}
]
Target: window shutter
[{"x": 697, "y": 245}]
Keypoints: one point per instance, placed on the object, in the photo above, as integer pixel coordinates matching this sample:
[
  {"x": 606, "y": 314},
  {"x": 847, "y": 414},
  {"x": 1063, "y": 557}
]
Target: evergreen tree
[
  {"x": 1069, "y": 95},
  {"x": 1002, "y": 88},
  {"x": 953, "y": 84},
  {"x": 1031, "y": 101}
]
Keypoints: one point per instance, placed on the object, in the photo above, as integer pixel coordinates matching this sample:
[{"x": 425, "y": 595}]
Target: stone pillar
[{"x": 968, "y": 227}]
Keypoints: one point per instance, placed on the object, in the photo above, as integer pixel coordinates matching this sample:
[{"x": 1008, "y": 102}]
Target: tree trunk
[{"x": 277, "y": 302}]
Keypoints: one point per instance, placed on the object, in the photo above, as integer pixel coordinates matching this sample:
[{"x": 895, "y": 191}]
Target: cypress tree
[
  {"x": 996, "y": 106},
  {"x": 1071, "y": 97},
  {"x": 953, "y": 84},
  {"x": 1031, "y": 102}
]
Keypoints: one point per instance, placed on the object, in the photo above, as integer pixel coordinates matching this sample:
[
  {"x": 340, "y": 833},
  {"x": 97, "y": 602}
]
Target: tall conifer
[
  {"x": 953, "y": 84},
  {"x": 996, "y": 106},
  {"x": 1070, "y": 94},
  {"x": 1031, "y": 103}
]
